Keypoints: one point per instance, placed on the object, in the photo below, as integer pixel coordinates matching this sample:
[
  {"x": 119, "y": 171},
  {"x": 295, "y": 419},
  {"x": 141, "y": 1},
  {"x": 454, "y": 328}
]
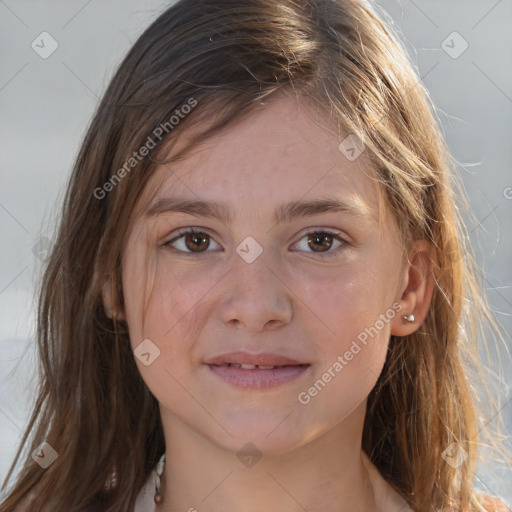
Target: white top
[{"x": 146, "y": 498}]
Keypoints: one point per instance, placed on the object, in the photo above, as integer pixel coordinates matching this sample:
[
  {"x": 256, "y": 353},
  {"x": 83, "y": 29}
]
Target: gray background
[{"x": 47, "y": 103}]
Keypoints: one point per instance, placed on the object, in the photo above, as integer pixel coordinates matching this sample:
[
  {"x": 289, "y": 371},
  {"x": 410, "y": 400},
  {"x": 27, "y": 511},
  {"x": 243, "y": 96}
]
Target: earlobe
[
  {"x": 111, "y": 309},
  {"x": 416, "y": 291}
]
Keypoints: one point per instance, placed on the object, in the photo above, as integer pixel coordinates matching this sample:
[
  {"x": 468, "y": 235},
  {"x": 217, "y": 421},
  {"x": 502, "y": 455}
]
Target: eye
[
  {"x": 323, "y": 241},
  {"x": 196, "y": 241},
  {"x": 190, "y": 241}
]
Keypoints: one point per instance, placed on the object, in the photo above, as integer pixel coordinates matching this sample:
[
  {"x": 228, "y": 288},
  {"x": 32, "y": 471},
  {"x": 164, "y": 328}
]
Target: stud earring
[{"x": 410, "y": 318}]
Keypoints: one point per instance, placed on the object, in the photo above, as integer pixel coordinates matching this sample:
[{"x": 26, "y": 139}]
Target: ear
[
  {"x": 416, "y": 289},
  {"x": 112, "y": 310}
]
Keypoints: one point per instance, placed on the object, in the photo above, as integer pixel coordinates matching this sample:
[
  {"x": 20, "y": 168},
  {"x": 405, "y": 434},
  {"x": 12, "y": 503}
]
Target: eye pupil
[
  {"x": 198, "y": 241},
  {"x": 317, "y": 239}
]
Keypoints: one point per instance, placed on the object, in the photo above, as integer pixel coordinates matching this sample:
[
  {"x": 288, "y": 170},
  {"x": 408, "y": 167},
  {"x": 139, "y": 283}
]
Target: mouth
[
  {"x": 256, "y": 372},
  {"x": 256, "y": 366}
]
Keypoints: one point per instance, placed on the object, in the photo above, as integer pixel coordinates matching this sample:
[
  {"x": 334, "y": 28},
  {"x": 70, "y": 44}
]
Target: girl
[{"x": 257, "y": 299}]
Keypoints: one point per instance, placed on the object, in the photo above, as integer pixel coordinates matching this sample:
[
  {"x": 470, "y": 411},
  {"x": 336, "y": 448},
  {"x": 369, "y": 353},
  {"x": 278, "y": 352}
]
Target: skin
[{"x": 290, "y": 300}]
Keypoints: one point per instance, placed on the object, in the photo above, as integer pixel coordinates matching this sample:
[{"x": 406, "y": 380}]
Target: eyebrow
[{"x": 284, "y": 213}]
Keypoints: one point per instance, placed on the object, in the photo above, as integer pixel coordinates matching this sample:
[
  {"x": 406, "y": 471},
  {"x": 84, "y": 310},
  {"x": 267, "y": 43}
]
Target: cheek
[
  {"x": 350, "y": 328},
  {"x": 173, "y": 313},
  {"x": 170, "y": 317},
  {"x": 344, "y": 302}
]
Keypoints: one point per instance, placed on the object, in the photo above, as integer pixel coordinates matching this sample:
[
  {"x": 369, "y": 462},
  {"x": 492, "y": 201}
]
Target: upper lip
[{"x": 264, "y": 359}]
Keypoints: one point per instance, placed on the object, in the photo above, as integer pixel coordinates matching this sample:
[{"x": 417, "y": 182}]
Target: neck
[{"x": 328, "y": 474}]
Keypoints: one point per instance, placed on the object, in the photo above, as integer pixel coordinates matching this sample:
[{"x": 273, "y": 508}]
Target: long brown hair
[{"x": 221, "y": 58}]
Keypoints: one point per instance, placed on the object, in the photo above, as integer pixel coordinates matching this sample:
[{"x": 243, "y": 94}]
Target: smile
[{"x": 251, "y": 376}]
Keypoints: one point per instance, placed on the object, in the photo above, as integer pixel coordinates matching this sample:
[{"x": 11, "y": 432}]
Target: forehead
[{"x": 281, "y": 152}]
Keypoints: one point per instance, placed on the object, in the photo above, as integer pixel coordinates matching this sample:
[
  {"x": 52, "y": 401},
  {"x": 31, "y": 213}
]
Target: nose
[{"x": 255, "y": 296}]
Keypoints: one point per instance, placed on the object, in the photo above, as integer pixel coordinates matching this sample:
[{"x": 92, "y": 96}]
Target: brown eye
[
  {"x": 320, "y": 240},
  {"x": 197, "y": 241},
  {"x": 322, "y": 243},
  {"x": 191, "y": 241}
]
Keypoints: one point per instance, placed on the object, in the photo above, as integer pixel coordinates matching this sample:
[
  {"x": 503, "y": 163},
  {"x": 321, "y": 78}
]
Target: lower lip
[{"x": 258, "y": 379}]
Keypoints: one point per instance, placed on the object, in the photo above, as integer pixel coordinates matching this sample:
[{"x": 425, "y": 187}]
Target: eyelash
[{"x": 330, "y": 252}]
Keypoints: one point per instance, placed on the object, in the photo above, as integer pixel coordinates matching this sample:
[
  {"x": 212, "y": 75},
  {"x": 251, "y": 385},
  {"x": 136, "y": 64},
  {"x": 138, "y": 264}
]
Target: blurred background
[{"x": 57, "y": 58}]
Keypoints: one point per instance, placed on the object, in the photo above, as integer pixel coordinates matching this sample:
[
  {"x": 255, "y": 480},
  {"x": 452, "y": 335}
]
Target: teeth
[
  {"x": 251, "y": 366},
  {"x": 254, "y": 366}
]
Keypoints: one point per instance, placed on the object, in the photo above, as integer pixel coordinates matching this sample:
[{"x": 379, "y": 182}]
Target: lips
[
  {"x": 256, "y": 371},
  {"x": 244, "y": 358}
]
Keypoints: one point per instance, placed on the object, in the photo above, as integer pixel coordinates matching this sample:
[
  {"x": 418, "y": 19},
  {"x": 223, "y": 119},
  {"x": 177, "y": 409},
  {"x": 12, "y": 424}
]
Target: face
[{"x": 296, "y": 273}]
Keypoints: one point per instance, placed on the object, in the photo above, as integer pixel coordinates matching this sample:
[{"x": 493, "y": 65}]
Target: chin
[{"x": 270, "y": 432}]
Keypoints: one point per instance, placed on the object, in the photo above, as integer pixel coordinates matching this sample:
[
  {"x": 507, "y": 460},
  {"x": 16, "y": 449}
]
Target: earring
[
  {"x": 410, "y": 318},
  {"x": 159, "y": 470}
]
